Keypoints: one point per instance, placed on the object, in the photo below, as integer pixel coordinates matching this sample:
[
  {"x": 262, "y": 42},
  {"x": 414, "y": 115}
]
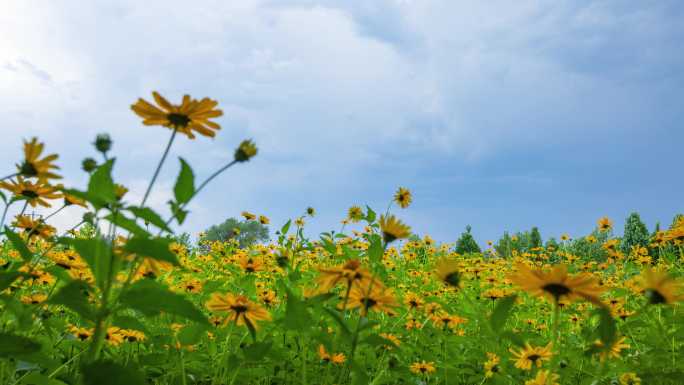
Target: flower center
[
  {"x": 556, "y": 289},
  {"x": 29, "y": 194},
  {"x": 369, "y": 302},
  {"x": 655, "y": 298},
  {"x": 239, "y": 309},
  {"x": 452, "y": 279},
  {"x": 178, "y": 120},
  {"x": 28, "y": 169},
  {"x": 533, "y": 357}
]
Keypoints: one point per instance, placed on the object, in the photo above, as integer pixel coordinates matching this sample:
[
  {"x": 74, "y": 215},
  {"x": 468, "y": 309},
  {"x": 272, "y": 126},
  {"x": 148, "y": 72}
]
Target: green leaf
[
  {"x": 151, "y": 298},
  {"x": 36, "y": 378},
  {"x": 286, "y": 227},
  {"x": 19, "y": 244},
  {"x": 156, "y": 248},
  {"x": 296, "y": 315},
  {"x": 3, "y": 197},
  {"x": 185, "y": 183},
  {"x": 74, "y": 297},
  {"x": 257, "y": 350},
  {"x": 359, "y": 375},
  {"x": 22, "y": 312},
  {"x": 106, "y": 372},
  {"x": 370, "y": 215},
  {"x": 125, "y": 223},
  {"x": 149, "y": 215},
  {"x": 340, "y": 321},
  {"x": 606, "y": 327},
  {"x": 501, "y": 312},
  {"x": 128, "y": 322},
  {"x": 7, "y": 278},
  {"x": 12, "y": 345},
  {"x": 375, "y": 250},
  {"x": 192, "y": 334},
  {"x": 101, "y": 186},
  {"x": 515, "y": 338},
  {"x": 97, "y": 253},
  {"x": 178, "y": 212}
]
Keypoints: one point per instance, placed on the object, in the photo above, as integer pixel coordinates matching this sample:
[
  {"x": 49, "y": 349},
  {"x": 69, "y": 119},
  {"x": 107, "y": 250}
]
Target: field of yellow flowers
[{"x": 117, "y": 299}]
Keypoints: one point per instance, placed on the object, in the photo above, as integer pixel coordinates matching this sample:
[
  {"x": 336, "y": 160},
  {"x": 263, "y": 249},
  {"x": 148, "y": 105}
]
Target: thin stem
[
  {"x": 201, "y": 186},
  {"x": 4, "y": 213},
  {"x": 23, "y": 209},
  {"x": 10, "y": 176},
  {"x": 159, "y": 166},
  {"x": 54, "y": 213}
]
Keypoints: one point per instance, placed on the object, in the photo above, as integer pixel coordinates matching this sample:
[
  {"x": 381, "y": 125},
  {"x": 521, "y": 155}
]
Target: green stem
[
  {"x": 10, "y": 176},
  {"x": 159, "y": 166},
  {"x": 4, "y": 213}
]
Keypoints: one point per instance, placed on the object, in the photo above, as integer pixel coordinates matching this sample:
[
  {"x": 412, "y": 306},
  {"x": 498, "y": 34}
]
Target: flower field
[{"x": 120, "y": 299}]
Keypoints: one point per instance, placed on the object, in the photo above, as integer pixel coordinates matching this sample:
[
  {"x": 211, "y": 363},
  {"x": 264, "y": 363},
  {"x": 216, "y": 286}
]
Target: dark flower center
[
  {"x": 369, "y": 302},
  {"x": 239, "y": 309},
  {"x": 28, "y": 169},
  {"x": 533, "y": 357},
  {"x": 452, "y": 279},
  {"x": 178, "y": 120},
  {"x": 556, "y": 289},
  {"x": 29, "y": 194},
  {"x": 655, "y": 298}
]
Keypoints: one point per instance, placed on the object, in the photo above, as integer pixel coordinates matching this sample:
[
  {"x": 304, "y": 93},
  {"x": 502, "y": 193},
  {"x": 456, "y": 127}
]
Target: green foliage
[
  {"x": 535, "y": 238},
  {"x": 504, "y": 247},
  {"x": 636, "y": 233},
  {"x": 249, "y": 232},
  {"x": 466, "y": 244}
]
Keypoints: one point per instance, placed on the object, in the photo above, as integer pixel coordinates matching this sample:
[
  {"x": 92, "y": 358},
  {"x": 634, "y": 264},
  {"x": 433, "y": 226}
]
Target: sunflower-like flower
[
  {"x": 531, "y": 355},
  {"x": 544, "y": 377},
  {"x": 491, "y": 366},
  {"x": 661, "y": 287},
  {"x": 613, "y": 351},
  {"x": 350, "y": 273},
  {"x": 34, "y": 193},
  {"x": 251, "y": 264},
  {"x": 248, "y": 216},
  {"x": 403, "y": 197},
  {"x": 393, "y": 229},
  {"x": 264, "y": 220},
  {"x": 355, "y": 213},
  {"x": 378, "y": 299},
  {"x": 34, "y": 228},
  {"x": 629, "y": 378},
  {"x": 557, "y": 283},
  {"x": 245, "y": 151},
  {"x": 423, "y": 367},
  {"x": 605, "y": 224},
  {"x": 33, "y": 166},
  {"x": 241, "y": 310},
  {"x": 449, "y": 272},
  {"x": 336, "y": 358},
  {"x": 188, "y": 117}
]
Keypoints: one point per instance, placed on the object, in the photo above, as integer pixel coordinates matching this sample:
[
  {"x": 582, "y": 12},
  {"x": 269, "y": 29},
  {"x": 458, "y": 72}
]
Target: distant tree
[
  {"x": 535, "y": 238},
  {"x": 504, "y": 247},
  {"x": 246, "y": 233},
  {"x": 636, "y": 233},
  {"x": 466, "y": 243},
  {"x": 183, "y": 239},
  {"x": 551, "y": 242}
]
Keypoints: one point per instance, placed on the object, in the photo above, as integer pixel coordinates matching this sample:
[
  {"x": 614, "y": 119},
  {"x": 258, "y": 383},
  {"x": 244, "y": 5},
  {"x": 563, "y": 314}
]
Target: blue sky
[{"x": 503, "y": 115}]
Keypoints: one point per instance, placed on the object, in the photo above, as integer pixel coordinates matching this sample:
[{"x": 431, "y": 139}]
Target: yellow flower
[
  {"x": 379, "y": 299},
  {"x": 350, "y": 273},
  {"x": 449, "y": 272},
  {"x": 80, "y": 333},
  {"x": 393, "y": 229},
  {"x": 264, "y": 220},
  {"x": 630, "y": 379},
  {"x": 614, "y": 350},
  {"x": 660, "y": 287},
  {"x": 245, "y": 151},
  {"x": 34, "y": 193},
  {"x": 248, "y": 216},
  {"x": 34, "y": 299},
  {"x": 241, "y": 310},
  {"x": 529, "y": 355},
  {"x": 423, "y": 367},
  {"x": 191, "y": 115},
  {"x": 337, "y": 358},
  {"x": 34, "y": 228},
  {"x": 557, "y": 283},
  {"x": 605, "y": 224},
  {"x": 355, "y": 213},
  {"x": 403, "y": 197},
  {"x": 544, "y": 377},
  {"x": 492, "y": 365},
  {"x": 33, "y": 167}
]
